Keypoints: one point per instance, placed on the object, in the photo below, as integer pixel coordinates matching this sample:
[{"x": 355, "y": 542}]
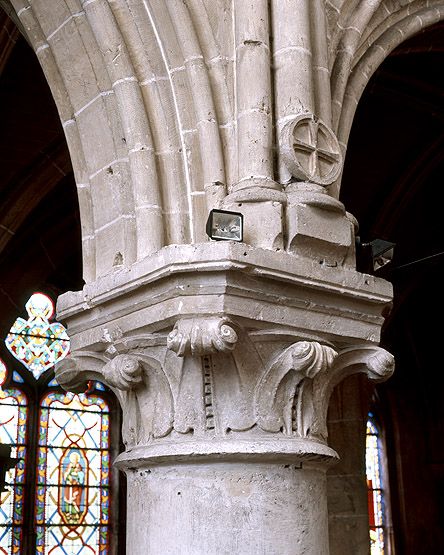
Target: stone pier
[{"x": 224, "y": 366}]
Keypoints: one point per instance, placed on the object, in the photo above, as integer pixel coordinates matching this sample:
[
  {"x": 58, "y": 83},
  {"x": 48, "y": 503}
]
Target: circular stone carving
[{"x": 311, "y": 150}]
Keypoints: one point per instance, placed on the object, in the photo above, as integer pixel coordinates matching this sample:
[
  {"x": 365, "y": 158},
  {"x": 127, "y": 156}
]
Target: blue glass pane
[
  {"x": 36, "y": 343},
  {"x": 13, "y": 432},
  {"x": 17, "y": 378}
]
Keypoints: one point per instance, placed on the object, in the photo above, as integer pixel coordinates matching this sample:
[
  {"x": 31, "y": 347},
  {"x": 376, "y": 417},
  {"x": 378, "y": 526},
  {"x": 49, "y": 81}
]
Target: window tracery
[
  {"x": 13, "y": 427},
  {"x": 35, "y": 342}
]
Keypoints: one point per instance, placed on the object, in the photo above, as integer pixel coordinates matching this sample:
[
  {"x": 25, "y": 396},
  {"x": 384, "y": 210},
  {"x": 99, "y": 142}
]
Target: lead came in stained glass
[
  {"x": 375, "y": 491},
  {"x": 13, "y": 416},
  {"x": 72, "y": 509},
  {"x": 35, "y": 342}
]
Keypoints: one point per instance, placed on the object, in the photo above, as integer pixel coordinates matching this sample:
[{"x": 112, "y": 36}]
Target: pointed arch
[
  {"x": 134, "y": 91},
  {"x": 362, "y": 35}
]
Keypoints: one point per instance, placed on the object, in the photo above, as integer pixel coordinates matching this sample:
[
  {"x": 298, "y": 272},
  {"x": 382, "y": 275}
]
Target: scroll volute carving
[
  {"x": 202, "y": 336},
  {"x": 377, "y": 363},
  {"x": 139, "y": 383},
  {"x": 293, "y": 394},
  {"x": 283, "y": 396},
  {"x": 260, "y": 387},
  {"x": 71, "y": 373}
]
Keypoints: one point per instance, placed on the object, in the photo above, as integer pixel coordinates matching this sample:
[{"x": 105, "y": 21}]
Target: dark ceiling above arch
[
  {"x": 40, "y": 244},
  {"x": 395, "y": 152},
  {"x": 392, "y": 180},
  {"x": 393, "y": 184}
]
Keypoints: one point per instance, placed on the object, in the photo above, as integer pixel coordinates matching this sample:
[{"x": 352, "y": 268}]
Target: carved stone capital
[
  {"x": 202, "y": 336},
  {"x": 377, "y": 363},
  {"x": 71, "y": 374},
  {"x": 139, "y": 382},
  {"x": 226, "y": 351},
  {"x": 199, "y": 389},
  {"x": 124, "y": 372}
]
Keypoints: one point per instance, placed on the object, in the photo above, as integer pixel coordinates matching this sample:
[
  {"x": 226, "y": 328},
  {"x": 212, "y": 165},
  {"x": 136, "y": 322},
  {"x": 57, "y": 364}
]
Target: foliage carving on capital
[
  {"x": 377, "y": 363},
  {"x": 202, "y": 336},
  {"x": 283, "y": 397},
  {"x": 381, "y": 365},
  {"x": 70, "y": 375},
  {"x": 273, "y": 386},
  {"x": 124, "y": 372}
]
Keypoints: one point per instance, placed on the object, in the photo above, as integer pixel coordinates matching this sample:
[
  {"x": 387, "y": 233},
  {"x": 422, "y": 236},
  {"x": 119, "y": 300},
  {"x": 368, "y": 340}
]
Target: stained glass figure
[
  {"x": 13, "y": 420},
  {"x": 35, "y": 342},
  {"x": 375, "y": 490},
  {"x": 73, "y": 477}
]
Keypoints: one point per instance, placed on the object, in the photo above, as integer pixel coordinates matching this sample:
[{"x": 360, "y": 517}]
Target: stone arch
[
  {"x": 361, "y": 39},
  {"x": 135, "y": 97},
  {"x": 397, "y": 197}
]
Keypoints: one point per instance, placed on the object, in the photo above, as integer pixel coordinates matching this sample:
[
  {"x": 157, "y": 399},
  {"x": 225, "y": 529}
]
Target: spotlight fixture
[
  {"x": 223, "y": 225},
  {"x": 373, "y": 256}
]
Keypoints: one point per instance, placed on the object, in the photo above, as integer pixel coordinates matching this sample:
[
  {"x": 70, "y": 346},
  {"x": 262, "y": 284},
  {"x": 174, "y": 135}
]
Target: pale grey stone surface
[
  {"x": 228, "y": 508},
  {"x": 173, "y": 108}
]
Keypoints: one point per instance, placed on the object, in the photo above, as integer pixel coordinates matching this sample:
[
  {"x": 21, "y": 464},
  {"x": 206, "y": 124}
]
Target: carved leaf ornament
[
  {"x": 280, "y": 397},
  {"x": 196, "y": 384},
  {"x": 201, "y": 336}
]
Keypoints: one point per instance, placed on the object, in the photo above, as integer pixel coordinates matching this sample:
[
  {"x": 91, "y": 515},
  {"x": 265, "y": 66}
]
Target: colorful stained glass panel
[
  {"x": 13, "y": 416},
  {"x": 375, "y": 490},
  {"x": 3, "y": 372},
  {"x": 35, "y": 342},
  {"x": 72, "y": 509}
]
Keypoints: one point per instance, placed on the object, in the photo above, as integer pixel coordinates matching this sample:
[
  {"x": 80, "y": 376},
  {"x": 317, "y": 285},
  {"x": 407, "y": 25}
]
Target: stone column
[
  {"x": 256, "y": 193},
  {"x": 224, "y": 368},
  {"x": 348, "y": 520}
]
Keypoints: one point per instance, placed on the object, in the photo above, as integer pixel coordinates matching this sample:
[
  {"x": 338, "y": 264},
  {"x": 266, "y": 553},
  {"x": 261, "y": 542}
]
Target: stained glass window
[
  {"x": 72, "y": 510},
  {"x": 35, "y": 342},
  {"x": 376, "y": 500},
  {"x": 13, "y": 421},
  {"x": 57, "y": 497}
]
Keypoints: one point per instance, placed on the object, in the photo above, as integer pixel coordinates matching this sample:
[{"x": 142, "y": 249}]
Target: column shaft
[{"x": 222, "y": 508}]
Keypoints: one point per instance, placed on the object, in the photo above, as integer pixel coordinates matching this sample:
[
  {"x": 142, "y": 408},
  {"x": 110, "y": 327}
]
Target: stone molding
[
  {"x": 246, "y": 70},
  {"x": 264, "y": 288},
  {"x": 227, "y": 345}
]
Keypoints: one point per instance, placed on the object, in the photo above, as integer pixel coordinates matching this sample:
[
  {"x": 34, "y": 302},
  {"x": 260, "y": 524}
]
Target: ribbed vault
[{"x": 147, "y": 167}]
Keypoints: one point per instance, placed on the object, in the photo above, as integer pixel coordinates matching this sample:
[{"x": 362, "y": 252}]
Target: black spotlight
[
  {"x": 372, "y": 256},
  {"x": 223, "y": 225}
]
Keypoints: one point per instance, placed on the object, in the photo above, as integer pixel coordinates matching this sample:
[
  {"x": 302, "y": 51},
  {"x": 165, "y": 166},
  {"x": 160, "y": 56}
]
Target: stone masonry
[{"x": 223, "y": 355}]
